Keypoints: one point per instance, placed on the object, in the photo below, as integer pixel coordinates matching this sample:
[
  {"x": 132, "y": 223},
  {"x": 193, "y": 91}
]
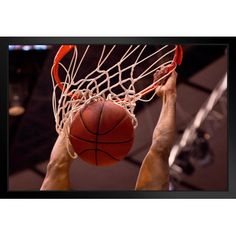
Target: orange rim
[{"x": 65, "y": 49}]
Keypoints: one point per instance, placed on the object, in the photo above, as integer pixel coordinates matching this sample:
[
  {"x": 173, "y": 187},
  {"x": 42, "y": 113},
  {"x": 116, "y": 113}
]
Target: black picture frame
[{"x": 4, "y": 147}]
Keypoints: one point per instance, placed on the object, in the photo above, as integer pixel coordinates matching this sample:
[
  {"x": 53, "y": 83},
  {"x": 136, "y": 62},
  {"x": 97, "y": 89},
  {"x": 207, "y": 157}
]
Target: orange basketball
[{"x": 102, "y": 133}]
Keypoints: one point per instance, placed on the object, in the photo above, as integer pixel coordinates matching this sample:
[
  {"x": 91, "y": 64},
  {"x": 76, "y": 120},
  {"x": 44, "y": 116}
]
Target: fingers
[
  {"x": 159, "y": 74},
  {"x": 168, "y": 86},
  {"x": 171, "y": 81}
]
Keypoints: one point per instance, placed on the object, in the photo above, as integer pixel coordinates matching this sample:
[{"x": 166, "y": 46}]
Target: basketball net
[{"x": 110, "y": 83}]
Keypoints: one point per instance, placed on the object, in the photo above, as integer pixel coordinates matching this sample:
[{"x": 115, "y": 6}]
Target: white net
[{"x": 127, "y": 80}]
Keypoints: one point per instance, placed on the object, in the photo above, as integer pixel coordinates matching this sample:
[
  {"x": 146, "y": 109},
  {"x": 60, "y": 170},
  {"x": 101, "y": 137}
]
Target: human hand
[{"x": 166, "y": 86}]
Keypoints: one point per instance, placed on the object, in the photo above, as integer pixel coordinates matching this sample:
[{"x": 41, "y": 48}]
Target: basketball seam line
[
  {"x": 119, "y": 122},
  {"x": 100, "y": 142},
  {"x": 112, "y": 157},
  {"x": 98, "y": 127},
  {"x": 96, "y": 133},
  {"x": 81, "y": 117}
]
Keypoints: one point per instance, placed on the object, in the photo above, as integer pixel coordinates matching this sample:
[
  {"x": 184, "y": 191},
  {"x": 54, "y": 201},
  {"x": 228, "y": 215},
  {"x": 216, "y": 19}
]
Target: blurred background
[{"x": 198, "y": 158}]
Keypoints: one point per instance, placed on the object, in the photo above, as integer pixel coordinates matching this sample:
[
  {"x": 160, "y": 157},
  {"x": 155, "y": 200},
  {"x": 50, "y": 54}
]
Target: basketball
[{"x": 102, "y": 133}]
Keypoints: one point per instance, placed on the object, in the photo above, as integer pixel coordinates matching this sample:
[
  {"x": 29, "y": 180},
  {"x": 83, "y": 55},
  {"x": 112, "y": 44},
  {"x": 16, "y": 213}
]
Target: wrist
[
  {"x": 169, "y": 97},
  {"x": 171, "y": 93}
]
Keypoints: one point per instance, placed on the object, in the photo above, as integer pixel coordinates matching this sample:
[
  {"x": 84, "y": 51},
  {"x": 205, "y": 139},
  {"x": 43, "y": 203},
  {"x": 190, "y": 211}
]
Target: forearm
[
  {"x": 164, "y": 132},
  {"x": 57, "y": 177},
  {"x": 154, "y": 172}
]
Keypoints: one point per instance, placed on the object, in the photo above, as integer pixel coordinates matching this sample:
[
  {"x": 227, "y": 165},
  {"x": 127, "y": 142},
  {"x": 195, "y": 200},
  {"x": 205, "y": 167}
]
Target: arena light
[
  {"x": 16, "y": 106},
  {"x": 29, "y": 47},
  {"x": 26, "y": 48}
]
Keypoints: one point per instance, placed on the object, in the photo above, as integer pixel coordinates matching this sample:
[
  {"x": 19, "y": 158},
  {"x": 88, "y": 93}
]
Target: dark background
[{"x": 32, "y": 134}]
